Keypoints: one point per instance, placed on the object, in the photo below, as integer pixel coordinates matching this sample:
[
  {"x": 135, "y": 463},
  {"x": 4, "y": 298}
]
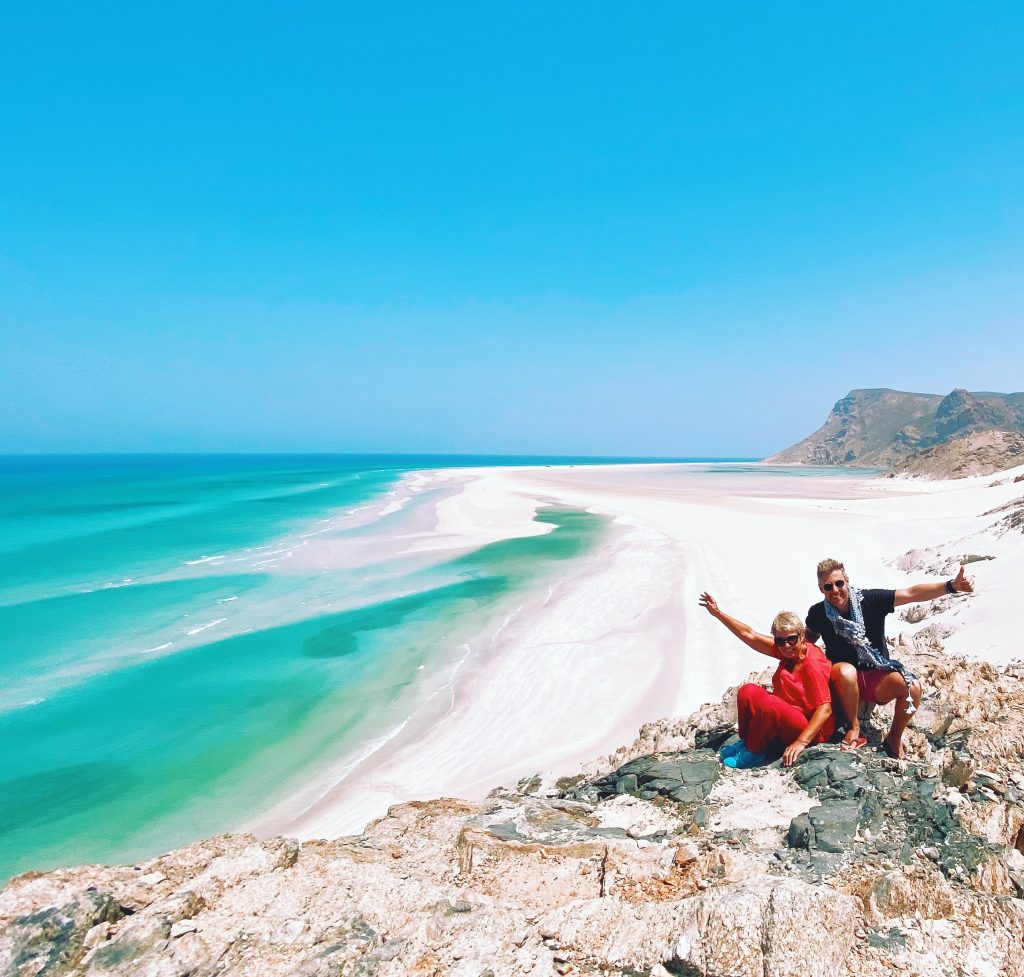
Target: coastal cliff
[
  {"x": 656, "y": 861},
  {"x": 954, "y": 436}
]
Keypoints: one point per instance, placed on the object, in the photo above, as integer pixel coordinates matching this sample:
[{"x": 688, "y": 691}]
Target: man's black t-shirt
[{"x": 874, "y": 604}]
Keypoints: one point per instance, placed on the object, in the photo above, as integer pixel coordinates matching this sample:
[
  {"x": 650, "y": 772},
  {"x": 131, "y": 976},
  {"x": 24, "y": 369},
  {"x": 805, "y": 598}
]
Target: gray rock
[
  {"x": 853, "y": 787},
  {"x": 843, "y": 767},
  {"x": 891, "y": 939},
  {"x": 662, "y": 785},
  {"x": 139, "y": 937},
  {"x": 686, "y": 778},
  {"x": 812, "y": 773},
  {"x": 933, "y": 718},
  {"x": 715, "y": 738},
  {"x": 801, "y": 833},
  {"x": 52, "y": 941},
  {"x": 666, "y": 771},
  {"x": 688, "y": 794},
  {"x": 835, "y": 825},
  {"x": 959, "y": 770},
  {"x": 700, "y": 771}
]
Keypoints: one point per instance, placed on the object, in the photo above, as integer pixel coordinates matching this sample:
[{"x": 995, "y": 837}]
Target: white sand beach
[{"x": 579, "y": 668}]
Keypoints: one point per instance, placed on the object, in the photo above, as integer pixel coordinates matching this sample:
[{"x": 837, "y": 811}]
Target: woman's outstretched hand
[{"x": 710, "y": 605}]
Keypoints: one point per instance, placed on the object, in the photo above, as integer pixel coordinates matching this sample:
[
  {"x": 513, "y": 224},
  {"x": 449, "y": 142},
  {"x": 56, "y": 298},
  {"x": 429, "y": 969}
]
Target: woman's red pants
[{"x": 766, "y": 720}]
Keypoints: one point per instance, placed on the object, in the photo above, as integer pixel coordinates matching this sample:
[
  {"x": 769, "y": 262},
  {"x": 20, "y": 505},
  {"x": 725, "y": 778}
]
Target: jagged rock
[
  {"x": 962, "y": 411},
  {"x": 934, "y": 718},
  {"x": 714, "y": 738},
  {"x": 1014, "y": 518},
  {"x": 687, "y": 778},
  {"x": 52, "y": 939},
  {"x": 834, "y": 825},
  {"x": 958, "y": 770},
  {"x": 755, "y": 927},
  {"x": 759, "y": 927}
]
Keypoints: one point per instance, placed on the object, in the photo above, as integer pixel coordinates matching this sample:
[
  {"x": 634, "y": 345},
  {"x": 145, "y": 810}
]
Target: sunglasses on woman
[
  {"x": 789, "y": 639},
  {"x": 839, "y": 584}
]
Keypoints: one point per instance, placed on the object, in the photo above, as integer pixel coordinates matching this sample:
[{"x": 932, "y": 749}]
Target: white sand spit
[{"x": 621, "y": 640}]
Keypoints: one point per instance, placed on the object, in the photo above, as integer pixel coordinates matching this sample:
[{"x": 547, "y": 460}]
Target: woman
[{"x": 798, "y": 712}]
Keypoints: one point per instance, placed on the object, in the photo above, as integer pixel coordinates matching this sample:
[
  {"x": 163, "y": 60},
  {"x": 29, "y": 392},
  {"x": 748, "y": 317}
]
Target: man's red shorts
[{"x": 867, "y": 683}]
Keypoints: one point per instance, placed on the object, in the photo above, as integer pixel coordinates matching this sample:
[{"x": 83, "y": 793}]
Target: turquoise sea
[{"x": 176, "y": 662}]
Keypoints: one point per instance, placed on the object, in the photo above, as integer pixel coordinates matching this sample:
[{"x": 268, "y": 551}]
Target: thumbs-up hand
[{"x": 963, "y": 583}]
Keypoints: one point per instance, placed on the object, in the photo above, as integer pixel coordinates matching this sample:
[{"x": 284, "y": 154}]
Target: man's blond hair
[
  {"x": 829, "y": 566},
  {"x": 788, "y": 621}
]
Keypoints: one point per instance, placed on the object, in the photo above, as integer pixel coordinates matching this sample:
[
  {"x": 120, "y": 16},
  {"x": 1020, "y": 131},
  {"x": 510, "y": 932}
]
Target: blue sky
[{"x": 658, "y": 229}]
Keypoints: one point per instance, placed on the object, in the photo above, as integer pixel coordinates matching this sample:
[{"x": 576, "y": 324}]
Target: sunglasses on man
[
  {"x": 827, "y": 587},
  {"x": 782, "y": 640}
]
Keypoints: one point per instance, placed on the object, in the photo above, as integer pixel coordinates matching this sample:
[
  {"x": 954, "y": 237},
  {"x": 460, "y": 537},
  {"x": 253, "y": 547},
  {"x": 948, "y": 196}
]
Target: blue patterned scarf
[{"x": 868, "y": 656}]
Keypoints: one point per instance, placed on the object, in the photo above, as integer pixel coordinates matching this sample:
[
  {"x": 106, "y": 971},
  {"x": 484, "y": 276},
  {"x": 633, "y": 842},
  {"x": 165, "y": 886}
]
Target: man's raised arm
[{"x": 960, "y": 584}]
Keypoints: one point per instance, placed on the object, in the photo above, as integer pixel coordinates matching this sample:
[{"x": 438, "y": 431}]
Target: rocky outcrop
[
  {"x": 1011, "y": 515},
  {"x": 655, "y": 861},
  {"x": 962, "y": 412},
  {"x": 886, "y": 428},
  {"x": 983, "y": 453}
]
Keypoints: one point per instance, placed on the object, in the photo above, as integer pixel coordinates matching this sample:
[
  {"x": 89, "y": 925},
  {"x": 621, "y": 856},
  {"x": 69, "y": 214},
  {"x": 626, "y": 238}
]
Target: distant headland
[{"x": 955, "y": 436}]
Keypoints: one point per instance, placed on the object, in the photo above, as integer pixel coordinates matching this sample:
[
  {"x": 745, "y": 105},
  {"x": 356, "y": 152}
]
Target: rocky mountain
[
  {"x": 982, "y": 453},
  {"x": 882, "y": 428},
  {"x": 658, "y": 861}
]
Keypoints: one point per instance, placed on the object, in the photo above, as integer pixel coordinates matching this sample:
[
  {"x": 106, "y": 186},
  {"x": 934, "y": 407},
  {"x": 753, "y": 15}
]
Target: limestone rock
[
  {"x": 755, "y": 927},
  {"x": 760, "y": 927}
]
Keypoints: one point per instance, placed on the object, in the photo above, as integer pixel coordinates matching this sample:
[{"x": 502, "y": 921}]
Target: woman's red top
[{"x": 805, "y": 685}]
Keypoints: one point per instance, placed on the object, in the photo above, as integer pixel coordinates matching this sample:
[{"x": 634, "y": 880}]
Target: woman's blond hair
[{"x": 788, "y": 621}]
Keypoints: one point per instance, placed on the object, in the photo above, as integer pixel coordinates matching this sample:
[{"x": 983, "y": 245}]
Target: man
[{"x": 852, "y": 622}]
